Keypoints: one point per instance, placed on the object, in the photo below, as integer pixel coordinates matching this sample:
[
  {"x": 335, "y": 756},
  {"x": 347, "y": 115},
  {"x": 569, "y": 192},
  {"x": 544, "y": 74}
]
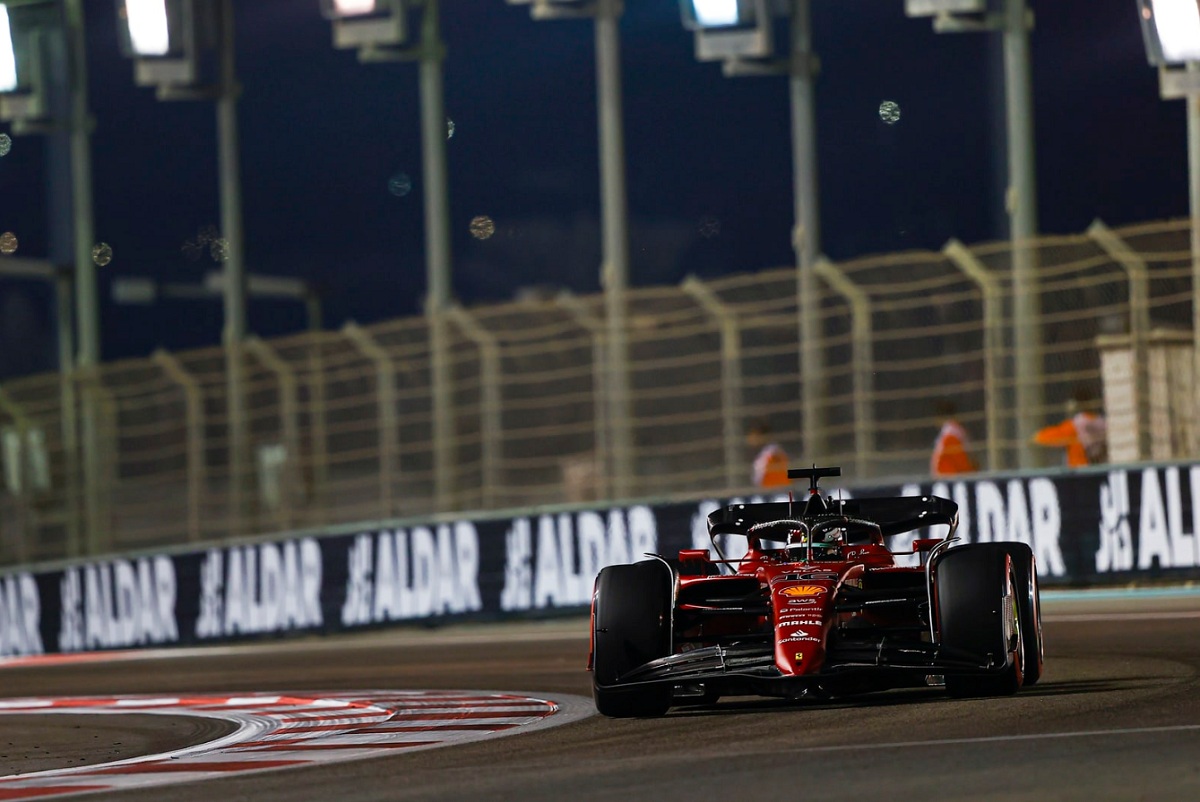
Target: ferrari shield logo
[
  {"x": 799, "y": 657},
  {"x": 797, "y": 591}
]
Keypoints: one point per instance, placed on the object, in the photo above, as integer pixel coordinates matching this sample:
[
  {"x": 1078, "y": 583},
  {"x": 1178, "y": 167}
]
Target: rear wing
[{"x": 895, "y": 515}]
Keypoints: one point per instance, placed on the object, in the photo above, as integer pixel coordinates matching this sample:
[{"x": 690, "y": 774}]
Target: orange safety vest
[
  {"x": 771, "y": 466},
  {"x": 1078, "y": 434},
  {"x": 950, "y": 455}
]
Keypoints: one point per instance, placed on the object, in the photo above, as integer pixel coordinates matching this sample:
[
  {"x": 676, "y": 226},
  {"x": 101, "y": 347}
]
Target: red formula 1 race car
[{"x": 817, "y": 607}]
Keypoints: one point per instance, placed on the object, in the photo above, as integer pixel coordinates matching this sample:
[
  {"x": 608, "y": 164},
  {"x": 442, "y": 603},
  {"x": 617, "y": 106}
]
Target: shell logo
[{"x": 797, "y": 591}]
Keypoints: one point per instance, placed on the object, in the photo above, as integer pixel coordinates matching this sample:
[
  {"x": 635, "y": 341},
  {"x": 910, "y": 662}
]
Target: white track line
[
  {"x": 288, "y": 730},
  {"x": 1001, "y": 738}
]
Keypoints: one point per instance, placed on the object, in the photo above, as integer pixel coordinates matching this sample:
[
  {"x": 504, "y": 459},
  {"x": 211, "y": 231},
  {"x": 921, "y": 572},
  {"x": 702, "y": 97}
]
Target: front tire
[
  {"x": 978, "y": 612},
  {"x": 632, "y": 625},
  {"x": 1028, "y": 603}
]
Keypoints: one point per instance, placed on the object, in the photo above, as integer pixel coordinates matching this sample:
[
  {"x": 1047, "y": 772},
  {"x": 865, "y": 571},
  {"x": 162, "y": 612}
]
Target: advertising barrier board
[{"x": 1090, "y": 528}]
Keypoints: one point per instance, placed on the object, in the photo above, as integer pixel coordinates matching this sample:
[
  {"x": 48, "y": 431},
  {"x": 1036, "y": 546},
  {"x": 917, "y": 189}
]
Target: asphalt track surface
[{"x": 1116, "y": 716}]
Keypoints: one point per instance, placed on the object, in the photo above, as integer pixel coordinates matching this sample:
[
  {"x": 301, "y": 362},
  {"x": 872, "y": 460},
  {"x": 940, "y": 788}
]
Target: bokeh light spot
[
  {"x": 710, "y": 226},
  {"x": 5, "y": 144},
  {"x": 889, "y": 111},
  {"x": 482, "y": 227},
  {"x": 449, "y": 128},
  {"x": 102, "y": 254},
  {"x": 8, "y": 243},
  {"x": 218, "y": 249},
  {"x": 400, "y": 185}
]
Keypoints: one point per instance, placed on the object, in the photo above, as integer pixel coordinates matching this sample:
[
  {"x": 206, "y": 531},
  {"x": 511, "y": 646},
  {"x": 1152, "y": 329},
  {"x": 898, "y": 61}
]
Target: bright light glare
[
  {"x": 716, "y": 12},
  {"x": 148, "y": 30},
  {"x": 353, "y": 8},
  {"x": 1178, "y": 25},
  {"x": 8, "y": 58}
]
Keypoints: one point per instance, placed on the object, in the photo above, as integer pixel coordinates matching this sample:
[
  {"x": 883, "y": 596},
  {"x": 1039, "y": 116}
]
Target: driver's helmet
[{"x": 827, "y": 536}]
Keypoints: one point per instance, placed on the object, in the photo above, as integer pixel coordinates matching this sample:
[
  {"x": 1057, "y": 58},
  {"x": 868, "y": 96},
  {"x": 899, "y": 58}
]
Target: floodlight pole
[
  {"x": 234, "y": 267},
  {"x": 806, "y": 233},
  {"x": 615, "y": 212},
  {"x": 437, "y": 253},
  {"x": 87, "y": 304},
  {"x": 86, "y": 300},
  {"x": 1014, "y": 22},
  {"x": 1022, "y": 209}
]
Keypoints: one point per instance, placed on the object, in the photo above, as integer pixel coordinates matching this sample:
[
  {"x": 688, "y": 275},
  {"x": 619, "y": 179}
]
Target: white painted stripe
[
  {"x": 25, "y": 704},
  {"x": 989, "y": 739},
  {"x": 146, "y": 702},
  {"x": 1166, "y": 615},
  {"x": 258, "y": 701}
]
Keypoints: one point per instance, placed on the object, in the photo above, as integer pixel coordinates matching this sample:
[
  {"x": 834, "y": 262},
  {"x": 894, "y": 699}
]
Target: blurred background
[{"x": 317, "y": 391}]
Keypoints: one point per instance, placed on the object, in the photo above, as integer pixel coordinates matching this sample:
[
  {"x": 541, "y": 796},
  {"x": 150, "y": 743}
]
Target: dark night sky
[{"x": 322, "y": 135}]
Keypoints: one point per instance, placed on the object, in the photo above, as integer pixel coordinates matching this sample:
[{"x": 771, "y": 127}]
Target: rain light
[
  {"x": 149, "y": 32},
  {"x": 8, "y": 55},
  {"x": 1171, "y": 29}
]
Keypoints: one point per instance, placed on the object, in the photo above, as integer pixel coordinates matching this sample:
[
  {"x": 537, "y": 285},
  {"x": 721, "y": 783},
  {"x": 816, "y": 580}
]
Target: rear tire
[
  {"x": 1028, "y": 603},
  {"x": 632, "y": 619},
  {"x": 976, "y": 592}
]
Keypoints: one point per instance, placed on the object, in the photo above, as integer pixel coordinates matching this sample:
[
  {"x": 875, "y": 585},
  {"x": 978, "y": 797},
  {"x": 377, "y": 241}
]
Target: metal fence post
[
  {"x": 863, "y": 359},
  {"x": 587, "y": 321},
  {"x": 193, "y": 401},
  {"x": 64, "y": 296},
  {"x": 490, "y": 401},
  {"x": 318, "y": 432},
  {"x": 389, "y": 423},
  {"x": 289, "y": 420},
  {"x": 731, "y": 375},
  {"x": 1139, "y": 323},
  {"x": 993, "y": 340},
  {"x": 92, "y": 474},
  {"x": 24, "y": 480},
  {"x": 102, "y": 464}
]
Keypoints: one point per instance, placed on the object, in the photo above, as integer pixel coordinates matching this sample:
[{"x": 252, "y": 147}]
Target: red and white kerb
[{"x": 279, "y": 731}]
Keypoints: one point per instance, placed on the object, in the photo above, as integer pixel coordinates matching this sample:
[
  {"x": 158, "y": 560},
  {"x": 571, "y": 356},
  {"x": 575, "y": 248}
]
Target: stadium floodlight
[
  {"x": 23, "y": 59},
  {"x": 149, "y": 28},
  {"x": 338, "y": 9},
  {"x": 1171, "y": 30},
  {"x": 931, "y": 8},
  {"x": 366, "y": 23},
  {"x": 729, "y": 29},
  {"x": 161, "y": 37},
  {"x": 707, "y": 14},
  {"x": 8, "y": 53}
]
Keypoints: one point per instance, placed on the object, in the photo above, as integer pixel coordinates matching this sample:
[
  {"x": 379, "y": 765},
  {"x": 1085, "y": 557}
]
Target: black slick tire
[
  {"x": 631, "y": 612},
  {"x": 977, "y": 611},
  {"x": 1028, "y": 603}
]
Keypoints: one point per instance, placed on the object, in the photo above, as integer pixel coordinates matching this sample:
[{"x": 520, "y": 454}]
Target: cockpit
[{"x": 816, "y": 538}]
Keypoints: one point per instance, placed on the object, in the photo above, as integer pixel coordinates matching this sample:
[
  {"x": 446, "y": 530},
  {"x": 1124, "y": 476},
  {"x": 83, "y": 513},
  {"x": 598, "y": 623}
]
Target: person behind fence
[
  {"x": 770, "y": 461},
  {"x": 951, "y": 450},
  {"x": 1084, "y": 433}
]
